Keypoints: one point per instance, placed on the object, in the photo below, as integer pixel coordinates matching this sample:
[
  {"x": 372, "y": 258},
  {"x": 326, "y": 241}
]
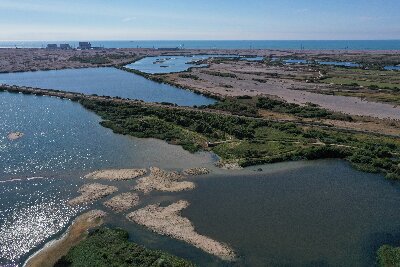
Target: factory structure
[{"x": 81, "y": 46}]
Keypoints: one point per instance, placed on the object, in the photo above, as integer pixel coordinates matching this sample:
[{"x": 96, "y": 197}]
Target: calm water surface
[
  {"x": 171, "y": 64},
  {"x": 43, "y": 169},
  {"x": 105, "y": 81},
  {"x": 321, "y": 213}
]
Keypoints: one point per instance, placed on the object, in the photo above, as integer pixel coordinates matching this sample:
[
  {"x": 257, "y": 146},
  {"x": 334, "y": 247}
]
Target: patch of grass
[{"x": 110, "y": 247}]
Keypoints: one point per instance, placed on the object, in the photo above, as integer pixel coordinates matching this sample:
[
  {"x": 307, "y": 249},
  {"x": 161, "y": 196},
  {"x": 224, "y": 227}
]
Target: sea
[{"x": 219, "y": 44}]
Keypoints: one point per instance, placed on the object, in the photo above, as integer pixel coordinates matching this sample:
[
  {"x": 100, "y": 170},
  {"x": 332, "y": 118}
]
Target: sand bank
[
  {"x": 167, "y": 221},
  {"x": 117, "y": 174},
  {"x": 161, "y": 180},
  {"x": 196, "y": 171},
  {"x": 54, "y": 250},
  {"x": 15, "y": 135},
  {"x": 123, "y": 202},
  {"x": 92, "y": 192}
]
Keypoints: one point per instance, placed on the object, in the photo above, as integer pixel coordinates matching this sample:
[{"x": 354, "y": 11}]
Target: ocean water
[
  {"x": 234, "y": 44},
  {"x": 106, "y": 81}
]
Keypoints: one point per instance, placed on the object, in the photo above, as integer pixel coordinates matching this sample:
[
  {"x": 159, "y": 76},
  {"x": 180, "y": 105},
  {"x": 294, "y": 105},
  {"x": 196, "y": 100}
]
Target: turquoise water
[
  {"x": 105, "y": 81},
  {"x": 234, "y": 44}
]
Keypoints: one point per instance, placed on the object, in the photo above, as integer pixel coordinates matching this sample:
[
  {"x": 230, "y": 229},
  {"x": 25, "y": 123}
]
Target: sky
[{"x": 199, "y": 19}]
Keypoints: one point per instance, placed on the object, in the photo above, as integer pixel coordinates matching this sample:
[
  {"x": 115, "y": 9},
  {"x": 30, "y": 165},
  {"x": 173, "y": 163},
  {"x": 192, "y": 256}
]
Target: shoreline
[{"x": 55, "y": 249}]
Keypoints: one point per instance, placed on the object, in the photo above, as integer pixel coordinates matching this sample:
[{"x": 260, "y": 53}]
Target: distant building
[
  {"x": 52, "y": 46},
  {"x": 85, "y": 45},
  {"x": 65, "y": 46}
]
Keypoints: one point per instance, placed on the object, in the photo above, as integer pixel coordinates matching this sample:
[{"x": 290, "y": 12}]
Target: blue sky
[{"x": 199, "y": 19}]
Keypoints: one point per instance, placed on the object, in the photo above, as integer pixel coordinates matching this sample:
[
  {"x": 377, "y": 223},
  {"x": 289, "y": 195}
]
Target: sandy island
[
  {"x": 167, "y": 221},
  {"x": 161, "y": 180},
  {"x": 54, "y": 250},
  {"x": 92, "y": 192},
  {"x": 123, "y": 202},
  {"x": 15, "y": 135},
  {"x": 117, "y": 174},
  {"x": 196, "y": 171}
]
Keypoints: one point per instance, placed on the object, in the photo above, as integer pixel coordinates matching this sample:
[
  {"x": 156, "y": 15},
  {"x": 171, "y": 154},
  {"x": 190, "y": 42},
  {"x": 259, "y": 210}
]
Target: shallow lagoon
[
  {"x": 41, "y": 170},
  {"x": 106, "y": 81},
  {"x": 323, "y": 213},
  {"x": 171, "y": 64}
]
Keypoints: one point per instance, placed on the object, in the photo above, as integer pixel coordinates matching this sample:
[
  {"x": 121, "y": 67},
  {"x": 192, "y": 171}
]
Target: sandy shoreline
[
  {"x": 167, "y": 221},
  {"x": 54, "y": 250}
]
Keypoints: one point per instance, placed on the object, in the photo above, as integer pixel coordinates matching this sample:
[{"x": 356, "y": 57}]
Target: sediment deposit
[
  {"x": 92, "y": 192},
  {"x": 167, "y": 221},
  {"x": 196, "y": 171},
  {"x": 117, "y": 174},
  {"x": 123, "y": 202},
  {"x": 15, "y": 135},
  {"x": 161, "y": 180}
]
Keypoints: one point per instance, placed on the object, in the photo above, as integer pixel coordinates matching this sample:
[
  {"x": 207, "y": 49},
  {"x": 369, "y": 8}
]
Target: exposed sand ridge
[{"x": 167, "y": 221}]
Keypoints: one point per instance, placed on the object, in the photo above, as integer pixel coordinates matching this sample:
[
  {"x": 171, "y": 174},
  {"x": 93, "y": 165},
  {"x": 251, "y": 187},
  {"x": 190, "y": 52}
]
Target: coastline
[{"x": 76, "y": 232}]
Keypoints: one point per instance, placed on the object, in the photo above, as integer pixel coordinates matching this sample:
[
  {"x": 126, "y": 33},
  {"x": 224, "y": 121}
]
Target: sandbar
[
  {"x": 196, "y": 171},
  {"x": 92, "y": 192},
  {"x": 167, "y": 221},
  {"x": 15, "y": 135},
  {"x": 161, "y": 180},
  {"x": 116, "y": 174},
  {"x": 123, "y": 202}
]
